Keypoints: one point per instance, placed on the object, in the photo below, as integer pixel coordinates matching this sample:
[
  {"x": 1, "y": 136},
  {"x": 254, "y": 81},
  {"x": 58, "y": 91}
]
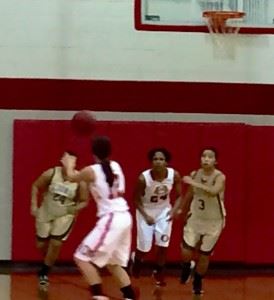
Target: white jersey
[
  {"x": 203, "y": 205},
  {"x": 59, "y": 195},
  {"x": 108, "y": 199},
  {"x": 157, "y": 193}
]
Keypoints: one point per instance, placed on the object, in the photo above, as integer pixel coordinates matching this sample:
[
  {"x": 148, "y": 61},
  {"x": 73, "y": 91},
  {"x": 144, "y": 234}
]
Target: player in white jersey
[
  {"x": 109, "y": 242},
  {"x": 154, "y": 212},
  {"x": 204, "y": 202},
  {"x": 56, "y": 213}
]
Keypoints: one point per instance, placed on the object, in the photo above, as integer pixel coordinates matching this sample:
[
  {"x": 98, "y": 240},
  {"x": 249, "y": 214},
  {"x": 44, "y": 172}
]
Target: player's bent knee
[{"x": 77, "y": 260}]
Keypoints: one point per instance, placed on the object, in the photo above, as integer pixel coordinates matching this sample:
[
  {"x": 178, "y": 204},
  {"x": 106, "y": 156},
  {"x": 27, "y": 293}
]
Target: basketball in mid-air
[{"x": 83, "y": 122}]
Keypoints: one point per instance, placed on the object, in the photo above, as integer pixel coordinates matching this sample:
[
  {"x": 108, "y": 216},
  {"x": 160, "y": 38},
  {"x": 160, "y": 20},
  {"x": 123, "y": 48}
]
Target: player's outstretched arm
[
  {"x": 213, "y": 190},
  {"x": 176, "y": 209},
  {"x": 186, "y": 202},
  {"x": 81, "y": 199},
  {"x": 69, "y": 163}
]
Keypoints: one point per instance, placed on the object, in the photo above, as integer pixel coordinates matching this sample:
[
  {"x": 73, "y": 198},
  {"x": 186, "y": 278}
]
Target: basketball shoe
[
  {"x": 158, "y": 278},
  {"x": 197, "y": 284},
  {"x": 187, "y": 271}
]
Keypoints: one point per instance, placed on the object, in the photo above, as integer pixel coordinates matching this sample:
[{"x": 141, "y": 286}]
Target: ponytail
[{"x": 108, "y": 172}]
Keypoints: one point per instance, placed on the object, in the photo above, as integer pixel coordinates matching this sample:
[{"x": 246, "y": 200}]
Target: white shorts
[
  {"x": 161, "y": 230},
  {"x": 58, "y": 228},
  {"x": 109, "y": 242},
  {"x": 205, "y": 231}
]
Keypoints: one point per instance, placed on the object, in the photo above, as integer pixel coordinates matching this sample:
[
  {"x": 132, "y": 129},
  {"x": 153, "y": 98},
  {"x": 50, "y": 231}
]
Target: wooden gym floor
[{"x": 18, "y": 286}]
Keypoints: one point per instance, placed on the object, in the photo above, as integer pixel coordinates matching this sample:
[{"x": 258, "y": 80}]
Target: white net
[{"x": 223, "y": 27}]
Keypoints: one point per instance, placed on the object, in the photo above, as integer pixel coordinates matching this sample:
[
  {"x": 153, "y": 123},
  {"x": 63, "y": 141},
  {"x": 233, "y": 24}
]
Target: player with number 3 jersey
[{"x": 203, "y": 207}]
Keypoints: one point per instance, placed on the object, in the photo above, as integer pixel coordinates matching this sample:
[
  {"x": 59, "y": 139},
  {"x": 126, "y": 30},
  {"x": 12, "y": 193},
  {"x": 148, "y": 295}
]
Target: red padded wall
[
  {"x": 259, "y": 202},
  {"x": 246, "y": 157}
]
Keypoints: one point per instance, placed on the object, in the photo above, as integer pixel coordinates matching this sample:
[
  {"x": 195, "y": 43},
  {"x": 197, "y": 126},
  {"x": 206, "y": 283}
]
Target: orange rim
[{"x": 224, "y": 15}]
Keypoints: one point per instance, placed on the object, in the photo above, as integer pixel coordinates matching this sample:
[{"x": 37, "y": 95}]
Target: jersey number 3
[{"x": 202, "y": 204}]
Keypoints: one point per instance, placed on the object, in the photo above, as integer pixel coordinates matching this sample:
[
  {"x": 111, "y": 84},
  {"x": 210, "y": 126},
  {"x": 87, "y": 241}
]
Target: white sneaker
[{"x": 43, "y": 280}]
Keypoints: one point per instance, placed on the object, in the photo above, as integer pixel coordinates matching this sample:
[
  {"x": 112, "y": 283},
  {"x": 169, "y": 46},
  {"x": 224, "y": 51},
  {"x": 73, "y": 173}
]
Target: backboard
[{"x": 186, "y": 15}]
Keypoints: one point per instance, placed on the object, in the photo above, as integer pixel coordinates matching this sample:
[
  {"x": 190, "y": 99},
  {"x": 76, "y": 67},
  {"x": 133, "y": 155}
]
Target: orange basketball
[{"x": 83, "y": 122}]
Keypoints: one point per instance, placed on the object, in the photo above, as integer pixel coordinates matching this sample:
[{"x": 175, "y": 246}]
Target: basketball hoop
[
  {"x": 217, "y": 21},
  {"x": 223, "y": 27}
]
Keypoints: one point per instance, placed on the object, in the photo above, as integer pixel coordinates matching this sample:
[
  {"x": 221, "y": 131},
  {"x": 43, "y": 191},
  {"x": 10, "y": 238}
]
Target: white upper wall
[{"x": 96, "y": 39}]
